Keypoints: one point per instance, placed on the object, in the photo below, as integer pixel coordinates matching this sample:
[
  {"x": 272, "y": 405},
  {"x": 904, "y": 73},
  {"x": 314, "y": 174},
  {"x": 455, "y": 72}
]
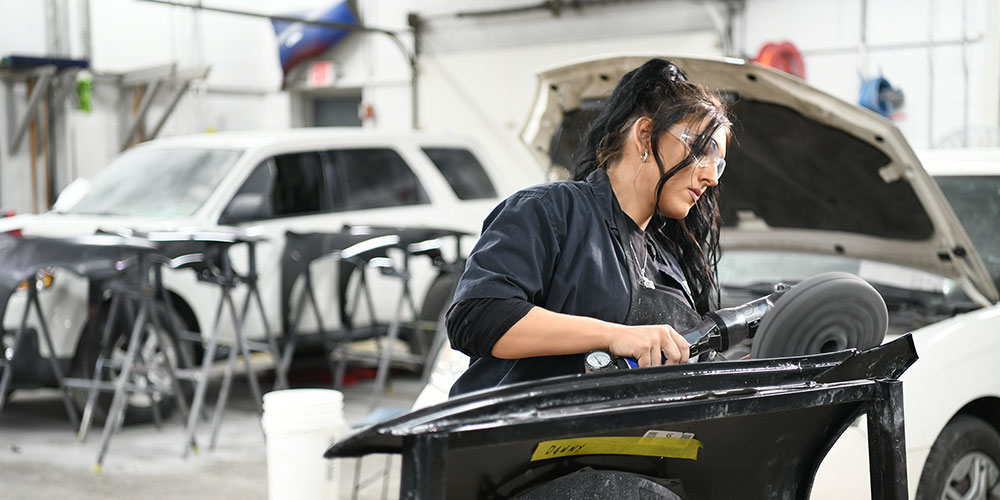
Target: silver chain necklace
[{"x": 643, "y": 279}]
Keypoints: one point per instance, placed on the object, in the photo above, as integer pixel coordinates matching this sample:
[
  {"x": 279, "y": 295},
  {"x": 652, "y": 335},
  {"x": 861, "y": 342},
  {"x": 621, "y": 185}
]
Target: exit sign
[{"x": 321, "y": 74}]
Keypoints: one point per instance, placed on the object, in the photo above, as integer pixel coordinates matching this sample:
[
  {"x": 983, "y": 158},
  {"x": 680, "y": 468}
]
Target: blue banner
[{"x": 298, "y": 42}]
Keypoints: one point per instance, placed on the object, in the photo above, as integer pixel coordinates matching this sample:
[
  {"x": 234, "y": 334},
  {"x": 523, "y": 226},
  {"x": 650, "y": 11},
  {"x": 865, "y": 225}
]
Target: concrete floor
[{"x": 40, "y": 457}]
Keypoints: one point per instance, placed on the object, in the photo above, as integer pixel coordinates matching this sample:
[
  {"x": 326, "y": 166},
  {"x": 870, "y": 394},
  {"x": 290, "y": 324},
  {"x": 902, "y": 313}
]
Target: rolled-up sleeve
[
  {"x": 475, "y": 325},
  {"x": 514, "y": 258}
]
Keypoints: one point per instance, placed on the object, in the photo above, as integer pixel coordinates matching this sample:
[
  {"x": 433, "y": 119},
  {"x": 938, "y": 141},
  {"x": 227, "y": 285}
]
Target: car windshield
[
  {"x": 976, "y": 201},
  {"x": 158, "y": 182}
]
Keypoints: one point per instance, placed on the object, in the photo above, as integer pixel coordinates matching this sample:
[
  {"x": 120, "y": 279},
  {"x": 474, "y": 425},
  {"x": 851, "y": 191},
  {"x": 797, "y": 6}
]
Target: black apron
[{"x": 650, "y": 306}]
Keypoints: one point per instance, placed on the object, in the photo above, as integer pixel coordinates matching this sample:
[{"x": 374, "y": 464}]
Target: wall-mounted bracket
[
  {"x": 153, "y": 79},
  {"x": 17, "y": 127}
]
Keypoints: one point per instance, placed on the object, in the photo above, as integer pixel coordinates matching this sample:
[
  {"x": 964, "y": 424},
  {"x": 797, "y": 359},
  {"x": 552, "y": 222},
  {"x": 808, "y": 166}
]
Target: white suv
[{"x": 268, "y": 183}]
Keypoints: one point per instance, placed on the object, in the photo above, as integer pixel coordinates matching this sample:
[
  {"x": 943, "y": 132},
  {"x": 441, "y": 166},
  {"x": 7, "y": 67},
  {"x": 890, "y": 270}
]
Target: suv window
[
  {"x": 285, "y": 185},
  {"x": 463, "y": 172},
  {"x": 375, "y": 178},
  {"x": 298, "y": 184}
]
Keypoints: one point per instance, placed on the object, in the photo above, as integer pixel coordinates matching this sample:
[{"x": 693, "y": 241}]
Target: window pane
[
  {"x": 156, "y": 182},
  {"x": 373, "y": 178},
  {"x": 298, "y": 184},
  {"x": 253, "y": 200},
  {"x": 463, "y": 172},
  {"x": 976, "y": 201}
]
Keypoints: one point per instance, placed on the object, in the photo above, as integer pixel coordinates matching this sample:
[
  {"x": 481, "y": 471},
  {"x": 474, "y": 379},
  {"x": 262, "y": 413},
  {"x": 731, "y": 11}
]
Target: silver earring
[{"x": 643, "y": 157}]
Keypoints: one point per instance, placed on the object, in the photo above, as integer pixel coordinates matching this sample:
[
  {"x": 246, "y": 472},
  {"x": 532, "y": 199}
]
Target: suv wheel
[
  {"x": 149, "y": 368},
  {"x": 964, "y": 463}
]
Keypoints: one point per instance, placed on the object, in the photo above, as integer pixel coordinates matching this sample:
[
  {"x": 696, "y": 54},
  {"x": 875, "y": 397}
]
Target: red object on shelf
[{"x": 784, "y": 56}]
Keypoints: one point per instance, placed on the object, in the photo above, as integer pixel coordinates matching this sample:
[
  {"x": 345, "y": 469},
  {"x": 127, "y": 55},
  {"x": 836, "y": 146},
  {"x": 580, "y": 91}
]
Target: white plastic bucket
[{"x": 300, "y": 424}]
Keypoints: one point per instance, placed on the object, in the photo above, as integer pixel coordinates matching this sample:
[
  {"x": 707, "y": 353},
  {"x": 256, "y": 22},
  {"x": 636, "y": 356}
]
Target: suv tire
[{"x": 139, "y": 409}]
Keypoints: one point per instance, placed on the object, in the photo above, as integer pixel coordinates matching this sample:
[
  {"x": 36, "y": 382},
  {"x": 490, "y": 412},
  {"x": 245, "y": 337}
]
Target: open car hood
[{"x": 807, "y": 171}]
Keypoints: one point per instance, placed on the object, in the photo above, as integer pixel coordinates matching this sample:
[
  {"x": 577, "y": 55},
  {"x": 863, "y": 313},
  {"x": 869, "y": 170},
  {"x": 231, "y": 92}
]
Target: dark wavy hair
[{"x": 661, "y": 91}]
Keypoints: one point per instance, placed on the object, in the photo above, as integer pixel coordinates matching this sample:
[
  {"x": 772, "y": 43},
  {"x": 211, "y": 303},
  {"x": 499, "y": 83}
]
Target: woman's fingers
[
  {"x": 652, "y": 345},
  {"x": 675, "y": 348},
  {"x": 649, "y": 352},
  {"x": 682, "y": 345},
  {"x": 643, "y": 360},
  {"x": 670, "y": 349}
]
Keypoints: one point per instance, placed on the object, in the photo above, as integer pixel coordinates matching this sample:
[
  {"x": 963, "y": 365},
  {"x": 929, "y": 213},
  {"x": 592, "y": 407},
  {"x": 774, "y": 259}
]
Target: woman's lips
[{"x": 695, "y": 194}]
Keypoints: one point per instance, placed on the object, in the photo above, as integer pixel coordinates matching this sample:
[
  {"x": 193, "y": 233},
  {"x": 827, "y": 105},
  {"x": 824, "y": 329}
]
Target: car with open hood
[{"x": 817, "y": 184}]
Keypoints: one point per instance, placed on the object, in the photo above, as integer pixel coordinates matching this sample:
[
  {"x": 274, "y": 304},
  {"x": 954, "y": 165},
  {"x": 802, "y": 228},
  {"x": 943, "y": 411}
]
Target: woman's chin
[{"x": 675, "y": 212}]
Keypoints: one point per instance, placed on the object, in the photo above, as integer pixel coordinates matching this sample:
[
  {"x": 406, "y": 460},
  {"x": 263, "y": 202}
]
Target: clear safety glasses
[{"x": 710, "y": 157}]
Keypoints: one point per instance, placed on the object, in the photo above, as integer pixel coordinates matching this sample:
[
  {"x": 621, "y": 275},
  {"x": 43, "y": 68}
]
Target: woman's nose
[{"x": 709, "y": 175}]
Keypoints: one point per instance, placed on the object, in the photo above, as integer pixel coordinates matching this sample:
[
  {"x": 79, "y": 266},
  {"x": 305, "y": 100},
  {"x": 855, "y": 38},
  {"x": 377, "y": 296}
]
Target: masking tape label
[{"x": 650, "y": 446}]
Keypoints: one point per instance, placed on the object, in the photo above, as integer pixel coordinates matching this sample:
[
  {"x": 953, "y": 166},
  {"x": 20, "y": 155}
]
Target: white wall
[
  {"x": 495, "y": 87},
  {"x": 20, "y": 34},
  {"x": 915, "y": 44},
  {"x": 476, "y": 72},
  {"x": 373, "y": 63},
  {"x": 241, "y": 51}
]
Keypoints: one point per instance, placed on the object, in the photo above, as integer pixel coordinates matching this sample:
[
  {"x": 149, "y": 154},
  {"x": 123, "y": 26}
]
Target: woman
[{"x": 620, "y": 259}]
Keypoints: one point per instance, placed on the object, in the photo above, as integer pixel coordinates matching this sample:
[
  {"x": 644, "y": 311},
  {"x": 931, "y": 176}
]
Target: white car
[
  {"x": 267, "y": 183},
  {"x": 817, "y": 184},
  {"x": 952, "y": 394}
]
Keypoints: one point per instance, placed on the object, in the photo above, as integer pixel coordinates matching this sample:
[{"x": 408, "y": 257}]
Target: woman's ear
[{"x": 639, "y": 137}]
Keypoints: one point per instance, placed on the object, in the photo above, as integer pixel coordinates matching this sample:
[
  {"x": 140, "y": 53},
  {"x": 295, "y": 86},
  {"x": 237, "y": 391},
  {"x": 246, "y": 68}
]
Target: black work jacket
[{"x": 557, "y": 246}]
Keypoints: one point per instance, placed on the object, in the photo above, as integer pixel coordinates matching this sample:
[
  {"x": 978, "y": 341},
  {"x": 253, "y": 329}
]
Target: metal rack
[{"x": 360, "y": 248}]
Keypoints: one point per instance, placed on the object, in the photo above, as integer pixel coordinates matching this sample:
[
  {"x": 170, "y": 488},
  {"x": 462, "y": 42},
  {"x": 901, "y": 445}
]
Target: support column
[
  {"x": 887, "y": 443},
  {"x": 424, "y": 467},
  {"x": 991, "y": 65}
]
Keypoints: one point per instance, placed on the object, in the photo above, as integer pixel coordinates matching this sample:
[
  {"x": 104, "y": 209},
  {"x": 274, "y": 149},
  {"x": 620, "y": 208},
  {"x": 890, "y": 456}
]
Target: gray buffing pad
[{"x": 825, "y": 313}]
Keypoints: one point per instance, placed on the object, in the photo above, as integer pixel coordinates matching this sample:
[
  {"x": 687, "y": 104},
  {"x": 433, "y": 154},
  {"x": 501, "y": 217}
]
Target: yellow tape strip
[{"x": 645, "y": 446}]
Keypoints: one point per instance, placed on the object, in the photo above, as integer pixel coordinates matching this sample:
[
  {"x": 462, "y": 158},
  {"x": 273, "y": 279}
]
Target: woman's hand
[
  {"x": 545, "y": 333},
  {"x": 646, "y": 343}
]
